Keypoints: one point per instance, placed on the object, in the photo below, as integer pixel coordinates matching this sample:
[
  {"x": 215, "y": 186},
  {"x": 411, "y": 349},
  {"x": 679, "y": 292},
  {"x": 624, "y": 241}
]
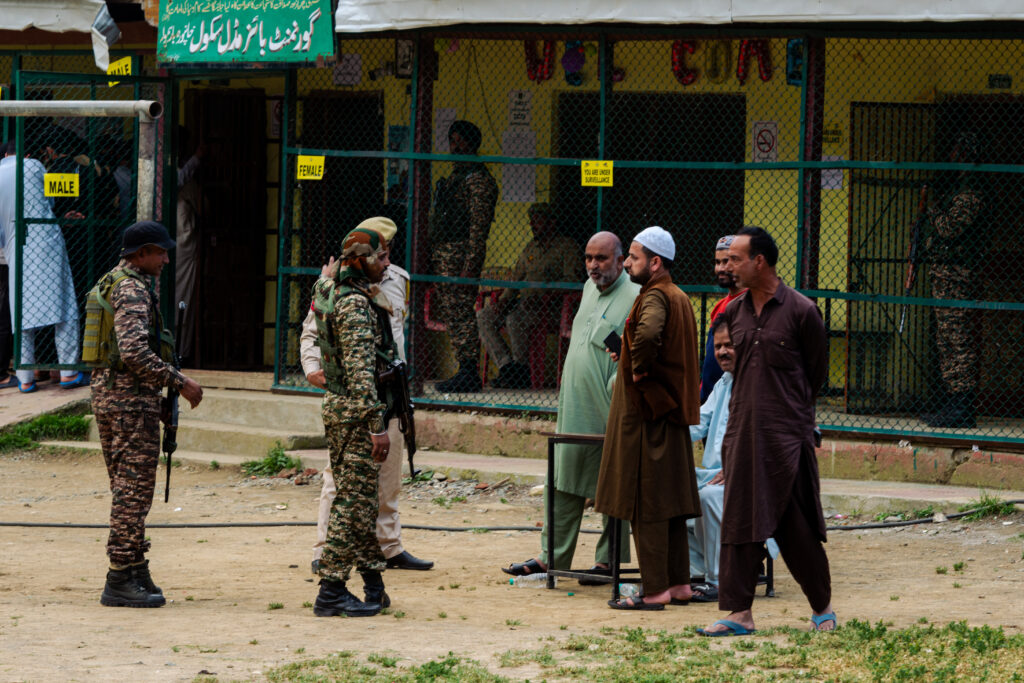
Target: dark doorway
[
  {"x": 696, "y": 206},
  {"x": 231, "y": 225},
  {"x": 352, "y": 189}
]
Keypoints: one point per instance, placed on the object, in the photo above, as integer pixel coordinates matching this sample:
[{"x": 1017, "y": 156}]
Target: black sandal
[{"x": 524, "y": 568}]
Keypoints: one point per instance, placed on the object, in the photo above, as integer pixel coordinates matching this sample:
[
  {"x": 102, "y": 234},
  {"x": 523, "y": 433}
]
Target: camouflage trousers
[
  {"x": 352, "y": 525},
  {"x": 131, "y": 448},
  {"x": 957, "y": 343},
  {"x": 456, "y": 304}
]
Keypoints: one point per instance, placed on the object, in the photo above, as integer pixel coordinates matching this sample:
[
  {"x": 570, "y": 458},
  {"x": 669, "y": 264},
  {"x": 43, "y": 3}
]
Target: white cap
[{"x": 659, "y": 241}]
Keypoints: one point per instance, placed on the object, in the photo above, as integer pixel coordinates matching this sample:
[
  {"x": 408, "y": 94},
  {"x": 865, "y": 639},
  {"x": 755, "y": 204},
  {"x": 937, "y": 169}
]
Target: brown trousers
[
  {"x": 663, "y": 553},
  {"x": 801, "y": 548}
]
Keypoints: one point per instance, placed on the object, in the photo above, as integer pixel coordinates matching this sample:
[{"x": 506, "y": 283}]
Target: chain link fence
[
  {"x": 826, "y": 141},
  {"x": 71, "y": 190}
]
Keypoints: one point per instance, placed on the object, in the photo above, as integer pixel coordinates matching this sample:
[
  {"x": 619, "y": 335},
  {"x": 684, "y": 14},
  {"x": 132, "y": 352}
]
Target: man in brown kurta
[
  {"x": 647, "y": 472},
  {"x": 771, "y": 471}
]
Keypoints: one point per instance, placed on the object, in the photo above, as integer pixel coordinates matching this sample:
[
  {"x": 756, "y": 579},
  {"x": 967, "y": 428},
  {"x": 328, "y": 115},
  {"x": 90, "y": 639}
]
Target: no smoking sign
[{"x": 765, "y": 139}]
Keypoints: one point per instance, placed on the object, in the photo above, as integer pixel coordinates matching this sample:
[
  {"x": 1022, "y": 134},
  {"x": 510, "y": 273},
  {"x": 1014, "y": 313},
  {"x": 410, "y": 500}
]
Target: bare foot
[
  {"x": 828, "y": 624},
  {"x": 681, "y": 592},
  {"x": 744, "y": 619}
]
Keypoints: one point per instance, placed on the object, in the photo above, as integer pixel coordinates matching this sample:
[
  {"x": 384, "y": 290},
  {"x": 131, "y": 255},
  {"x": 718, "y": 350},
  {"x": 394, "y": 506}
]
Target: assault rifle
[
  {"x": 397, "y": 376},
  {"x": 914, "y": 255},
  {"x": 171, "y": 406}
]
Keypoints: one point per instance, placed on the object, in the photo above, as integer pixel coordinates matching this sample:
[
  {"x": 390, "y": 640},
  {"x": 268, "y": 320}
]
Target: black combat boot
[
  {"x": 335, "y": 599},
  {"x": 122, "y": 590},
  {"x": 957, "y": 413},
  {"x": 140, "y": 572},
  {"x": 465, "y": 381},
  {"x": 512, "y": 376},
  {"x": 373, "y": 585}
]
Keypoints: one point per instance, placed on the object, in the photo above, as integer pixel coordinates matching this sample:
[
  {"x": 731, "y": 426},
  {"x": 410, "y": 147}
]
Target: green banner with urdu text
[{"x": 234, "y": 31}]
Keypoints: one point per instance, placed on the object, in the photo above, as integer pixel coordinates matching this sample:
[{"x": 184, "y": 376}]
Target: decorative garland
[
  {"x": 572, "y": 62},
  {"x": 684, "y": 75},
  {"x": 539, "y": 68},
  {"x": 758, "y": 49}
]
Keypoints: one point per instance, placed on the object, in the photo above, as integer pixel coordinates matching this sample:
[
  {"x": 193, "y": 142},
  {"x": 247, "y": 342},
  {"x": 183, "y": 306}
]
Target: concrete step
[
  {"x": 310, "y": 458},
  {"x": 228, "y": 379},
  {"x": 299, "y": 414},
  {"x": 226, "y": 438}
]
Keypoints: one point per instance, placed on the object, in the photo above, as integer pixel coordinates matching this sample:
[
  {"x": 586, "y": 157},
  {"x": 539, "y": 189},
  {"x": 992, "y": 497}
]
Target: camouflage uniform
[
  {"x": 349, "y": 420},
  {"x": 463, "y": 212},
  {"x": 951, "y": 252},
  {"x": 126, "y": 404}
]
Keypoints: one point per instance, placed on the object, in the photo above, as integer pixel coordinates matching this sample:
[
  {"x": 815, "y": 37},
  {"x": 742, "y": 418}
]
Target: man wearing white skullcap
[{"x": 647, "y": 473}]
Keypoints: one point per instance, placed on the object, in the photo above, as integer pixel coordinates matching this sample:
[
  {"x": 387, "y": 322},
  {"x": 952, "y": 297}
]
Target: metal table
[{"x": 549, "y": 513}]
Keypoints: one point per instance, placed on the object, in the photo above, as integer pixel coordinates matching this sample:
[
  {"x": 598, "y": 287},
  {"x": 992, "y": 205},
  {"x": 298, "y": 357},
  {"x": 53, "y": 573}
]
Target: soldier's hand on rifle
[
  {"x": 192, "y": 392},
  {"x": 165, "y": 410},
  {"x": 318, "y": 379},
  {"x": 381, "y": 446},
  {"x": 331, "y": 269}
]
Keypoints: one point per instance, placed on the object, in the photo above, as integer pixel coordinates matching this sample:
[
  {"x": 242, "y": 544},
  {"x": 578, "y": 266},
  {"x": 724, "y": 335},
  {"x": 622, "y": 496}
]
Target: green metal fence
[
  {"x": 72, "y": 186},
  {"x": 825, "y": 140}
]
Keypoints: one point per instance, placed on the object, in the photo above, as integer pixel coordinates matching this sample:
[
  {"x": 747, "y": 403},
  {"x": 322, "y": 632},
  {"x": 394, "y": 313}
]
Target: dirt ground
[{"x": 220, "y": 583}]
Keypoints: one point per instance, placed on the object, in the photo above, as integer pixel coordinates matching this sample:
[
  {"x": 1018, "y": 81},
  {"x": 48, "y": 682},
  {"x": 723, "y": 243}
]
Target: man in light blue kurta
[
  {"x": 706, "y": 531},
  {"x": 48, "y": 293},
  {"x": 583, "y": 402}
]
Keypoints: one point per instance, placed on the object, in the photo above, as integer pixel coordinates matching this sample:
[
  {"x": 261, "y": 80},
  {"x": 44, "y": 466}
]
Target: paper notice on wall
[
  {"x": 519, "y": 104},
  {"x": 348, "y": 70},
  {"x": 519, "y": 181},
  {"x": 443, "y": 120},
  {"x": 764, "y": 141},
  {"x": 831, "y": 178}
]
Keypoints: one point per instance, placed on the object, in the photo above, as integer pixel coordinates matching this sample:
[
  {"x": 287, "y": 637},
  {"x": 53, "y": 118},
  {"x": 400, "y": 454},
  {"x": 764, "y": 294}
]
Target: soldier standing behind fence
[
  {"x": 459, "y": 225},
  {"x": 126, "y": 400},
  {"x": 952, "y": 252},
  {"x": 354, "y": 335}
]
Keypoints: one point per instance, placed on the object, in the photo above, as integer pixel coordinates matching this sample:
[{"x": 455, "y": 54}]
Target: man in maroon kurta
[
  {"x": 647, "y": 472},
  {"x": 771, "y": 471}
]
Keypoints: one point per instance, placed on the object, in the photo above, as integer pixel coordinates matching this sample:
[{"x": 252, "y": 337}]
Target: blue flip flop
[
  {"x": 31, "y": 387},
  {"x": 80, "y": 380},
  {"x": 732, "y": 629},
  {"x": 9, "y": 383},
  {"x": 819, "y": 619}
]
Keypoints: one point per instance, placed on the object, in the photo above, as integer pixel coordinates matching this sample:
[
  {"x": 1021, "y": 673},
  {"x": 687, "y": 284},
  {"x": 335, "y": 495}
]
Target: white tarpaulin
[
  {"x": 355, "y": 16},
  {"x": 48, "y": 15}
]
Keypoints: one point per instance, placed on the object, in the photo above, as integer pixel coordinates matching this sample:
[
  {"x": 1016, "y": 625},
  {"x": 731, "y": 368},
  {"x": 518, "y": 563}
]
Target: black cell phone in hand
[{"x": 613, "y": 342}]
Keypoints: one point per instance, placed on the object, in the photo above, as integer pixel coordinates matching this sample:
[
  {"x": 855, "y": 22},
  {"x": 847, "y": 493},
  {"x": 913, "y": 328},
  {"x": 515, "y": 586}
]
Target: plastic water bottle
[
  {"x": 629, "y": 590},
  {"x": 539, "y": 580}
]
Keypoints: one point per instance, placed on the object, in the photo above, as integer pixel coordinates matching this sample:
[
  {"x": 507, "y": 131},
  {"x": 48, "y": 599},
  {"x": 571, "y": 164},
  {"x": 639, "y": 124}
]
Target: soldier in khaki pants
[{"x": 389, "y": 528}]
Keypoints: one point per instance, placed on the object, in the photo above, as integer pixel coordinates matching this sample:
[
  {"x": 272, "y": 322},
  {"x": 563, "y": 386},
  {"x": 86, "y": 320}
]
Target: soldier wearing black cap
[
  {"x": 132, "y": 368},
  {"x": 459, "y": 225}
]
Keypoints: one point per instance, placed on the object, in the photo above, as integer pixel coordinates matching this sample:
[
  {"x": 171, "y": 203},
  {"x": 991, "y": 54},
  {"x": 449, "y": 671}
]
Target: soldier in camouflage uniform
[
  {"x": 952, "y": 251},
  {"x": 461, "y": 220},
  {"x": 126, "y": 401},
  {"x": 354, "y": 335}
]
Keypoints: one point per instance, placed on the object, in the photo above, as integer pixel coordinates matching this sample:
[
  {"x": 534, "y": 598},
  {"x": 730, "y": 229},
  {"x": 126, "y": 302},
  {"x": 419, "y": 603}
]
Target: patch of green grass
[
  {"x": 941, "y": 570},
  {"x": 26, "y": 435},
  {"x": 442, "y": 501},
  {"x": 442, "y": 615},
  {"x": 273, "y": 462},
  {"x": 383, "y": 660},
  {"x": 307, "y": 605},
  {"x": 894, "y": 598},
  {"x": 513, "y": 658},
  {"x": 987, "y": 506},
  {"x": 214, "y": 465},
  {"x": 275, "y": 605},
  {"x": 513, "y": 622},
  {"x": 959, "y": 566},
  {"x": 458, "y": 499},
  {"x": 503, "y": 500}
]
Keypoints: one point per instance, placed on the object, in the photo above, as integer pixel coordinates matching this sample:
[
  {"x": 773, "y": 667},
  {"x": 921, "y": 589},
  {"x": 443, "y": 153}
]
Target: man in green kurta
[{"x": 583, "y": 402}]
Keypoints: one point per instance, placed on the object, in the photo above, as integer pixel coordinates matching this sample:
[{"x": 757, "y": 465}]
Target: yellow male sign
[
  {"x": 310, "y": 167},
  {"x": 60, "y": 184},
  {"x": 597, "y": 173},
  {"x": 122, "y": 67}
]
